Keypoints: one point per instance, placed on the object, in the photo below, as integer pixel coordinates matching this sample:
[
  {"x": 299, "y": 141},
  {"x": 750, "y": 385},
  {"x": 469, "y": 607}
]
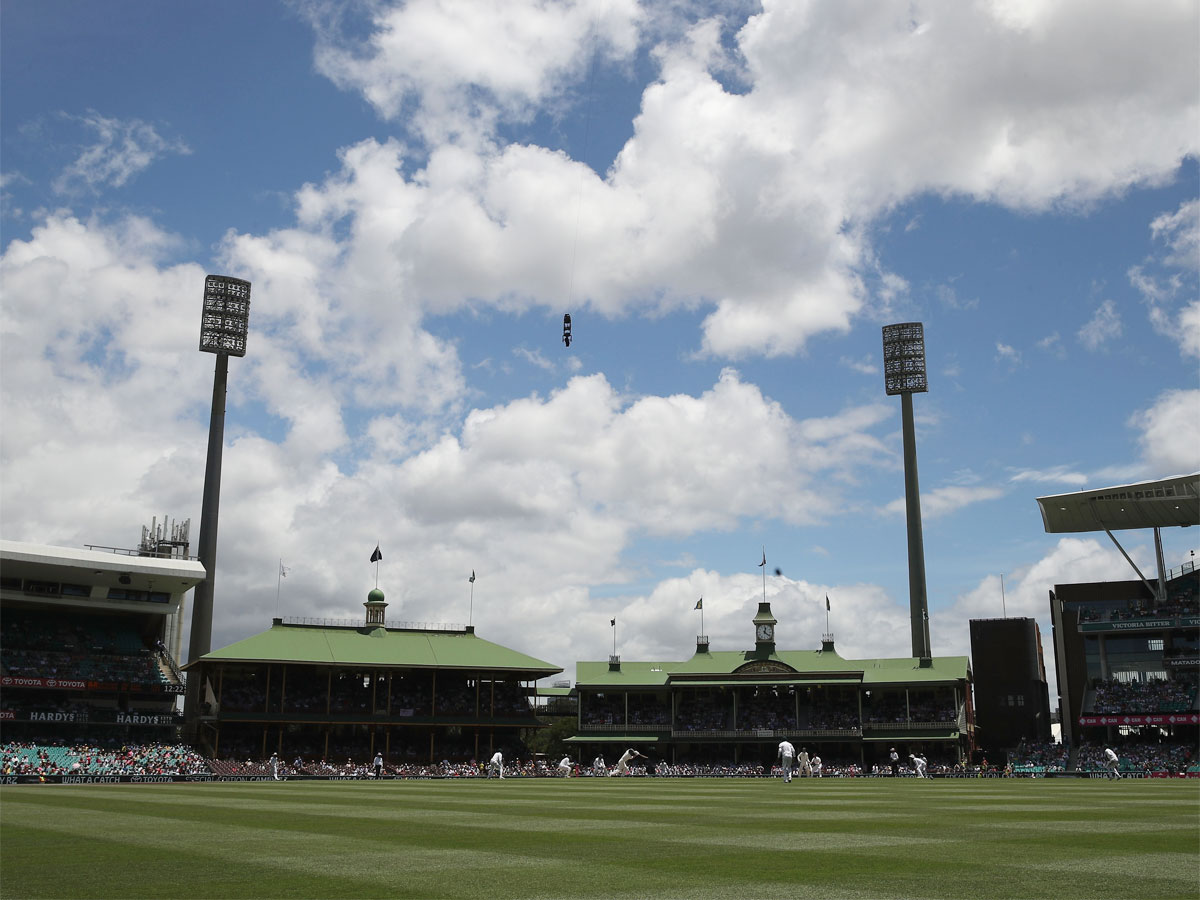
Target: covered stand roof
[
  {"x": 347, "y": 645},
  {"x": 1147, "y": 504},
  {"x": 809, "y": 667},
  {"x": 104, "y": 567}
]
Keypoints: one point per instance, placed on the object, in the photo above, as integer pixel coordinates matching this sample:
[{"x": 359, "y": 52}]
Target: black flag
[
  {"x": 472, "y": 578},
  {"x": 376, "y": 556},
  {"x": 826, "y": 603}
]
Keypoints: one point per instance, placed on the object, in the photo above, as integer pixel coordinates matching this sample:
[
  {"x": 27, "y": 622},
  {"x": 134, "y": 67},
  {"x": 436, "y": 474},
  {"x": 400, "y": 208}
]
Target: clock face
[{"x": 765, "y": 632}]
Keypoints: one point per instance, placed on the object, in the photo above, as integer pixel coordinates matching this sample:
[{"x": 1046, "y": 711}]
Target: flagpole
[
  {"x": 377, "y": 566},
  {"x": 764, "y": 568},
  {"x": 278, "y": 582},
  {"x": 471, "y": 613}
]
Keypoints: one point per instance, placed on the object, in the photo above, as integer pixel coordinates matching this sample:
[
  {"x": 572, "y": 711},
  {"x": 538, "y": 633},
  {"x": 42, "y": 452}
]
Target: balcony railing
[
  {"x": 910, "y": 726},
  {"x": 768, "y": 733},
  {"x": 625, "y": 729}
]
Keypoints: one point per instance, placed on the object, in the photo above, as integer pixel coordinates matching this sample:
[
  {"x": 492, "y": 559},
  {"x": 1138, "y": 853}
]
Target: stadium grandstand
[
  {"x": 1128, "y": 652},
  {"x": 89, "y": 639},
  {"x": 730, "y": 708},
  {"x": 348, "y": 690}
]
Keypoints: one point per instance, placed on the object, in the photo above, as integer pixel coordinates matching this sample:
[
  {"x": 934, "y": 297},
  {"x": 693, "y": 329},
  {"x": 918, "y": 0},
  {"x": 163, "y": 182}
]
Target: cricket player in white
[
  {"x": 919, "y": 763},
  {"x": 564, "y": 766},
  {"x": 805, "y": 764},
  {"x": 1114, "y": 764},
  {"x": 816, "y": 766},
  {"x": 598, "y": 766},
  {"x": 275, "y": 765},
  {"x": 622, "y": 767},
  {"x": 496, "y": 765},
  {"x": 787, "y": 756}
]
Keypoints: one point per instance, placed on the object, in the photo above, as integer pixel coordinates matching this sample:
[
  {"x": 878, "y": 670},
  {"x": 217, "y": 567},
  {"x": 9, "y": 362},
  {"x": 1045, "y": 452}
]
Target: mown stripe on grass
[{"x": 629, "y": 838}]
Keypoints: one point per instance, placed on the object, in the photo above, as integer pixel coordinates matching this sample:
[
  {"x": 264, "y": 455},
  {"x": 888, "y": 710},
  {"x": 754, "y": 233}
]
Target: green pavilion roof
[
  {"x": 345, "y": 645},
  {"x": 807, "y": 666}
]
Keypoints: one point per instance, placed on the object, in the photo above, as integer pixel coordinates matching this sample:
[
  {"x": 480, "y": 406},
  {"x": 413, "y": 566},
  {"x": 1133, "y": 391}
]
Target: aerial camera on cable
[{"x": 567, "y": 329}]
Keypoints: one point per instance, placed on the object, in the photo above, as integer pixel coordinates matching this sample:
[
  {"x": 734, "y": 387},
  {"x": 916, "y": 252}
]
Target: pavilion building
[
  {"x": 735, "y": 706},
  {"x": 339, "y": 690}
]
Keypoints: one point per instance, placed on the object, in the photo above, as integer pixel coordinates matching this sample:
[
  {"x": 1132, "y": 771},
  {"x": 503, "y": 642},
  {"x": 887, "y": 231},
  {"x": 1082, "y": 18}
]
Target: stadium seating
[
  {"x": 1155, "y": 695},
  {"x": 38, "y": 644}
]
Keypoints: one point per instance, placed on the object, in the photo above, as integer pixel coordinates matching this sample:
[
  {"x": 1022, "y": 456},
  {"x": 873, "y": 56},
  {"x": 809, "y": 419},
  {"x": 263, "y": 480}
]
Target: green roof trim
[
  {"x": 375, "y": 646},
  {"x": 807, "y": 666},
  {"x": 757, "y": 682},
  {"x": 610, "y": 739}
]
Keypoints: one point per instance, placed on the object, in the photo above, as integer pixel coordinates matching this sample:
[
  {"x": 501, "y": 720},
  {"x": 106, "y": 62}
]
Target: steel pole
[
  {"x": 918, "y": 603},
  {"x": 200, "y": 640}
]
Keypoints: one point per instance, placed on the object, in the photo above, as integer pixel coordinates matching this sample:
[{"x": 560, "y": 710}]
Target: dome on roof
[{"x": 376, "y": 607}]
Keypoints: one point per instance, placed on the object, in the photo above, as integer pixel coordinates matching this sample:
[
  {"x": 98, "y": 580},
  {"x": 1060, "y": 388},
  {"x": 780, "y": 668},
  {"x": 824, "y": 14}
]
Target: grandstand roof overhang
[
  {"x": 808, "y": 667},
  {"x": 612, "y": 739},
  {"x": 349, "y": 646},
  {"x": 83, "y": 566},
  {"x": 1163, "y": 503}
]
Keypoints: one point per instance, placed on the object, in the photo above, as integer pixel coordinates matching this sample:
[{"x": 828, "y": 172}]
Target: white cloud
[
  {"x": 1007, "y": 353},
  {"x": 1189, "y": 329},
  {"x": 70, "y": 397},
  {"x": 947, "y": 295},
  {"x": 1052, "y": 344},
  {"x": 535, "y": 358},
  {"x": 540, "y": 496},
  {"x": 1053, "y": 475},
  {"x": 1104, "y": 326},
  {"x": 667, "y": 465},
  {"x": 755, "y": 204},
  {"x": 1180, "y": 231},
  {"x": 944, "y": 501},
  {"x": 1168, "y": 433},
  {"x": 123, "y": 149},
  {"x": 1172, "y": 275},
  {"x": 864, "y": 366},
  {"x": 662, "y": 624},
  {"x": 439, "y": 56}
]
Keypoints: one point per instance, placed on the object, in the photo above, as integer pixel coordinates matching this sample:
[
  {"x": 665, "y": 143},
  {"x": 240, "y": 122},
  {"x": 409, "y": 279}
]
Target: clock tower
[{"x": 764, "y": 629}]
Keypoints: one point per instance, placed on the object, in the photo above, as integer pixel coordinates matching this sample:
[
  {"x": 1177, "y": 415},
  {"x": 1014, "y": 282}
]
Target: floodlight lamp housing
[
  {"x": 904, "y": 358},
  {"x": 226, "y": 317}
]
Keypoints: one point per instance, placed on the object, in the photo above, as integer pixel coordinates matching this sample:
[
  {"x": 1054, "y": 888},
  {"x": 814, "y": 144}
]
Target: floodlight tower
[
  {"x": 904, "y": 374},
  {"x": 223, "y": 327}
]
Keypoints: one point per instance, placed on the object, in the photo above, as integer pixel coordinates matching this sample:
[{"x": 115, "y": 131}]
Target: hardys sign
[
  {"x": 94, "y": 716},
  {"x": 144, "y": 719}
]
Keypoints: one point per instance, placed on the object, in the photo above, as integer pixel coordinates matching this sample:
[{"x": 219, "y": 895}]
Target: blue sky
[{"x": 731, "y": 201}]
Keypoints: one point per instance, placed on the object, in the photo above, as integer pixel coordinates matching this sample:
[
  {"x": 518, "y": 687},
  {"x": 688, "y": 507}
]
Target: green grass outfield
[{"x": 631, "y": 837}]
